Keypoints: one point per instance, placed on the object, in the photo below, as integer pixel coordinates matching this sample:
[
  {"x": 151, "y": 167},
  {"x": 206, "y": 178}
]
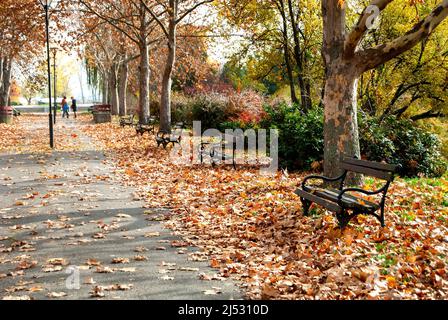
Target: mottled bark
[
  {"x": 340, "y": 125},
  {"x": 344, "y": 63},
  {"x": 1, "y": 71},
  {"x": 360, "y": 28},
  {"x": 341, "y": 128},
  {"x": 144, "y": 70},
  {"x": 6, "y": 82},
  {"x": 123, "y": 88},
  {"x": 376, "y": 56},
  {"x": 144, "y": 111},
  {"x": 104, "y": 89},
  {"x": 165, "y": 103},
  {"x": 113, "y": 89}
]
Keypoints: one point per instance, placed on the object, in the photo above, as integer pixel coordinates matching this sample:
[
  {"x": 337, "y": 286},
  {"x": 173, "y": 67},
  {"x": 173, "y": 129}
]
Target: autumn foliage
[{"x": 251, "y": 227}]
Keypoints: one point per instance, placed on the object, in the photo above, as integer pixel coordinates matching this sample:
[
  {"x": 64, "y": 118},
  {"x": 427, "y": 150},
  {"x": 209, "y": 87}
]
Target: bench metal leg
[
  {"x": 306, "y": 204},
  {"x": 343, "y": 219},
  {"x": 382, "y": 220}
]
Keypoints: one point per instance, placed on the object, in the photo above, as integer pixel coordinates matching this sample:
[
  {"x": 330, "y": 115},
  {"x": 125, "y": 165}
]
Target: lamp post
[
  {"x": 54, "y": 51},
  {"x": 45, "y": 5}
]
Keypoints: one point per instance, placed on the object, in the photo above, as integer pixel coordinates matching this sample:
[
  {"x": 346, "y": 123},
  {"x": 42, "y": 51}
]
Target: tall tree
[
  {"x": 290, "y": 28},
  {"x": 130, "y": 17},
  {"x": 19, "y": 36},
  {"x": 345, "y": 62},
  {"x": 169, "y": 14}
]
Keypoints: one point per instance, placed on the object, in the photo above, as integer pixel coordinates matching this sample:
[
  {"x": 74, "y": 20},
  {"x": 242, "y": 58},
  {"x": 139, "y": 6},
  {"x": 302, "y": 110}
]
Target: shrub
[
  {"x": 154, "y": 105},
  {"x": 212, "y": 110},
  {"x": 181, "y": 110},
  {"x": 402, "y": 142},
  {"x": 300, "y": 135},
  {"x": 248, "y": 107}
]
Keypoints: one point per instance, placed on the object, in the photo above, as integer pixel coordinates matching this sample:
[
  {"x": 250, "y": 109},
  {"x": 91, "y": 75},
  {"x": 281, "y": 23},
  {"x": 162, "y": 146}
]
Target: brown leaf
[{"x": 120, "y": 260}]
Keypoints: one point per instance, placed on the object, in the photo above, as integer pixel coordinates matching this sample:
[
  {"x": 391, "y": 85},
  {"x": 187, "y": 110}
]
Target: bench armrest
[
  {"x": 323, "y": 178},
  {"x": 366, "y": 192}
]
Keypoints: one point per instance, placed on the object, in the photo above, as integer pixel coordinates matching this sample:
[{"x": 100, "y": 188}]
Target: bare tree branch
[
  {"x": 360, "y": 28},
  {"x": 373, "y": 57}
]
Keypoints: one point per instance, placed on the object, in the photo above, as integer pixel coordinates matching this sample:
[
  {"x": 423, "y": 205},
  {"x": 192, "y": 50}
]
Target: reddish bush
[{"x": 248, "y": 106}]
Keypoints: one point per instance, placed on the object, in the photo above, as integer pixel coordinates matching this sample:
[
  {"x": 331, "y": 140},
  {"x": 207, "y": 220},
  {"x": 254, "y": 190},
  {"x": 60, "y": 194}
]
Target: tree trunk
[
  {"x": 6, "y": 82},
  {"x": 290, "y": 74},
  {"x": 343, "y": 65},
  {"x": 341, "y": 126},
  {"x": 144, "y": 111},
  {"x": 104, "y": 91},
  {"x": 113, "y": 89},
  {"x": 123, "y": 88},
  {"x": 144, "y": 70},
  {"x": 165, "y": 104},
  {"x": 1, "y": 71},
  {"x": 281, "y": 8},
  {"x": 304, "y": 85}
]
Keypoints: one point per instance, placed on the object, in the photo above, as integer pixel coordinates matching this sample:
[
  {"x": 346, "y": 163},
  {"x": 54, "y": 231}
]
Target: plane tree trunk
[
  {"x": 123, "y": 88},
  {"x": 345, "y": 62},
  {"x": 113, "y": 89},
  {"x": 165, "y": 103},
  {"x": 5, "y": 86}
]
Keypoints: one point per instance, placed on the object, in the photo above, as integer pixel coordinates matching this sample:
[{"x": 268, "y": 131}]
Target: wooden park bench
[
  {"x": 341, "y": 200},
  {"x": 127, "y": 121},
  {"x": 174, "y": 137},
  {"x": 217, "y": 152},
  {"x": 149, "y": 125}
]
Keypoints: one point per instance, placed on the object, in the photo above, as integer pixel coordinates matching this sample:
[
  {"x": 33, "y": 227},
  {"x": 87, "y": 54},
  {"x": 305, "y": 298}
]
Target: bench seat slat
[
  {"x": 311, "y": 197},
  {"x": 348, "y": 200}
]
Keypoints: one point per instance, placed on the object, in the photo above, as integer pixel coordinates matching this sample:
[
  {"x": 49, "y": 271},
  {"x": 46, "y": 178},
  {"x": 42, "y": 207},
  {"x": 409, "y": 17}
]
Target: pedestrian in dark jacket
[{"x": 74, "y": 107}]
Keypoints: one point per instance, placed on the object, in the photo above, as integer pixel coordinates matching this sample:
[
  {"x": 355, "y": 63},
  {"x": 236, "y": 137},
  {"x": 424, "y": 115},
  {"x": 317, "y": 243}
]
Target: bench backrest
[{"x": 378, "y": 170}]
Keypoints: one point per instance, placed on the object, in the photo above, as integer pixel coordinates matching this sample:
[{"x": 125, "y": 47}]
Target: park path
[{"x": 65, "y": 220}]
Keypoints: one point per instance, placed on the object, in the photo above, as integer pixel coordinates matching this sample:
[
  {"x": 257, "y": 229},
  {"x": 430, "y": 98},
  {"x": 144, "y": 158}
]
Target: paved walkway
[{"x": 65, "y": 212}]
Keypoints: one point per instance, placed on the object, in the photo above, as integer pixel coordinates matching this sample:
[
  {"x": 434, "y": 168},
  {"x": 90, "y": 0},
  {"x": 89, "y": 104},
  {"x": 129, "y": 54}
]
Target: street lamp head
[
  {"x": 46, "y": 3},
  {"x": 54, "y": 50}
]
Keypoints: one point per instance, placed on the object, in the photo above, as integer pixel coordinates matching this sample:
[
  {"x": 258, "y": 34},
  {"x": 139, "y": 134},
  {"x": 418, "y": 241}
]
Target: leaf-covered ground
[
  {"x": 252, "y": 229},
  {"x": 70, "y": 230}
]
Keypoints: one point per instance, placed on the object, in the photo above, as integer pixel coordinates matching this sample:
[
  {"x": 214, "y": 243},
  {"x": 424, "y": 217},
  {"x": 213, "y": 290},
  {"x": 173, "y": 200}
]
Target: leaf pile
[{"x": 251, "y": 228}]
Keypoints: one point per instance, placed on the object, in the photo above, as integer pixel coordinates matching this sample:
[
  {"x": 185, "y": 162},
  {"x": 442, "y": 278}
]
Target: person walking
[
  {"x": 74, "y": 107},
  {"x": 65, "y": 108}
]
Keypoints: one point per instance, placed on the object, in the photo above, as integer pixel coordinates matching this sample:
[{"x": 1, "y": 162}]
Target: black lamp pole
[
  {"x": 54, "y": 85},
  {"x": 50, "y": 114}
]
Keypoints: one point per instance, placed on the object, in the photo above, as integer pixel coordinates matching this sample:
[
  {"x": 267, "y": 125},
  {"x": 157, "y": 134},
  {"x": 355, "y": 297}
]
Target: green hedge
[
  {"x": 401, "y": 142},
  {"x": 416, "y": 151},
  {"x": 300, "y": 135}
]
